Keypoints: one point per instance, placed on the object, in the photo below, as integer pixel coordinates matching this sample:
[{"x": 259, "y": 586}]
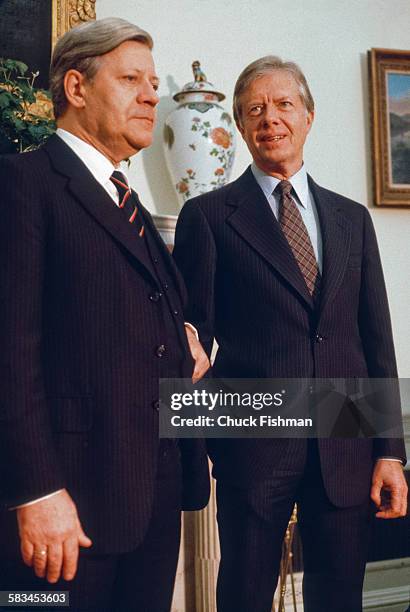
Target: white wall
[{"x": 329, "y": 39}]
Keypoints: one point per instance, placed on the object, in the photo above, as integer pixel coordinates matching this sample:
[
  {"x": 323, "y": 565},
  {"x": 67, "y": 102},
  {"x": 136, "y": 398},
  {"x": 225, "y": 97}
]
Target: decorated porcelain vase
[{"x": 199, "y": 139}]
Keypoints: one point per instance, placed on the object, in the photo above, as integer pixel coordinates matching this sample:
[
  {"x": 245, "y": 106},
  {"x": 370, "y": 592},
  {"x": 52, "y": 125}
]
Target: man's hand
[
  {"x": 202, "y": 363},
  {"x": 50, "y": 536},
  {"x": 388, "y": 478}
]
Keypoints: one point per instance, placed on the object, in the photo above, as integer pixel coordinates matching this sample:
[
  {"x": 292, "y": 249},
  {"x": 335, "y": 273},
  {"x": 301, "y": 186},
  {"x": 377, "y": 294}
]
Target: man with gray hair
[
  {"x": 286, "y": 276},
  {"x": 91, "y": 316}
]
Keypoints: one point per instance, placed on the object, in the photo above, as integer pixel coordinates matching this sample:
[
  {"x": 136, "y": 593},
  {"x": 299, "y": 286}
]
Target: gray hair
[
  {"x": 265, "y": 65},
  {"x": 81, "y": 48}
]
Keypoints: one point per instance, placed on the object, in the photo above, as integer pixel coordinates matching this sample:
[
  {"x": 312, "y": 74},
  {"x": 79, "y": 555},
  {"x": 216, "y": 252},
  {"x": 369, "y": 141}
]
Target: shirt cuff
[
  {"x": 390, "y": 459},
  {"x": 34, "y": 501},
  {"x": 193, "y": 329}
]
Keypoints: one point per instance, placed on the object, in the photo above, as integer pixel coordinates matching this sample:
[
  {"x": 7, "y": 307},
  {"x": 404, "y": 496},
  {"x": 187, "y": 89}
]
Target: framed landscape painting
[{"x": 390, "y": 106}]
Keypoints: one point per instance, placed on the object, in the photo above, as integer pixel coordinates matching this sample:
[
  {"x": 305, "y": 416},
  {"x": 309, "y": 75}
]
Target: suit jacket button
[
  {"x": 165, "y": 285},
  {"x": 161, "y": 349},
  {"x": 176, "y": 312},
  {"x": 156, "y": 405},
  {"x": 154, "y": 297},
  {"x": 319, "y": 338}
]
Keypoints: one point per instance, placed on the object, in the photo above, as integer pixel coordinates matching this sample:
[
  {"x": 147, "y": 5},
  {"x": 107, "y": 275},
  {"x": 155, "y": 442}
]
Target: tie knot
[
  {"x": 119, "y": 180},
  {"x": 284, "y": 188}
]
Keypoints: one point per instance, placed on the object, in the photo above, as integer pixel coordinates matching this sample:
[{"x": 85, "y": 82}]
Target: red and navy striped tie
[{"x": 127, "y": 201}]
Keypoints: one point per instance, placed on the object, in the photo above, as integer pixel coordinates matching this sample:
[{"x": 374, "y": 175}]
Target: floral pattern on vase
[{"x": 199, "y": 139}]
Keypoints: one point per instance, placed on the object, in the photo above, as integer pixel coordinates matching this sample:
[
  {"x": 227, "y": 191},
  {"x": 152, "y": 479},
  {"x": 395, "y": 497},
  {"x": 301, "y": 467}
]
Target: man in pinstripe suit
[
  {"x": 286, "y": 276},
  {"x": 91, "y": 316}
]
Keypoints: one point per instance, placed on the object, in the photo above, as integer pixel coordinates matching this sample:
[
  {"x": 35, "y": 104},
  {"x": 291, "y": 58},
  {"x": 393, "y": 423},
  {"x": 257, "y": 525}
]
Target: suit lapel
[
  {"x": 254, "y": 220},
  {"x": 336, "y": 237},
  {"x": 93, "y": 197}
]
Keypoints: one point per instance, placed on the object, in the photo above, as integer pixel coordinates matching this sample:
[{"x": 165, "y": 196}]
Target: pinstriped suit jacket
[
  {"x": 246, "y": 290},
  {"x": 79, "y": 359}
]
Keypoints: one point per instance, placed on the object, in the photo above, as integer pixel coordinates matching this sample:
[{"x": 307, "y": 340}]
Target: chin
[
  {"x": 142, "y": 143},
  {"x": 273, "y": 160}
]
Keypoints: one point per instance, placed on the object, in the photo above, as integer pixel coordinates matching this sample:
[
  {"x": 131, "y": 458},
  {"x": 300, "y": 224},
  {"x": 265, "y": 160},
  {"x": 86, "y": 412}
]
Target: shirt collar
[
  {"x": 268, "y": 183},
  {"x": 100, "y": 167}
]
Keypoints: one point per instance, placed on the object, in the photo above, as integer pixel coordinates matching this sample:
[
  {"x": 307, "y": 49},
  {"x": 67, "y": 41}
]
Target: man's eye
[
  {"x": 286, "y": 103},
  {"x": 255, "y": 110},
  {"x": 130, "y": 78}
]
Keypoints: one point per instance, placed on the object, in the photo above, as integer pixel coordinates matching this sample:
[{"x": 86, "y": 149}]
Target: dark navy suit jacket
[
  {"x": 246, "y": 291},
  {"x": 87, "y": 328}
]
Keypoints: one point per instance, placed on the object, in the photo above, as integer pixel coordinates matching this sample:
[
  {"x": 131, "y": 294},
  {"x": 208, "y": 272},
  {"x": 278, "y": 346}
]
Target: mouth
[
  {"x": 272, "y": 138},
  {"x": 149, "y": 119}
]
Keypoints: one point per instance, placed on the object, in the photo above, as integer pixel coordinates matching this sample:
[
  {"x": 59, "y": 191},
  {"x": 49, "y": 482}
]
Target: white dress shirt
[{"x": 100, "y": 166}]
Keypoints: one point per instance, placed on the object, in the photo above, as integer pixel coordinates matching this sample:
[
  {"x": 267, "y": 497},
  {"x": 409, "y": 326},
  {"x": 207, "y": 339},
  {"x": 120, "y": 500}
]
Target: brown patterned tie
[
  {"x": 297, "y": 236},
  {"x": 127, "y": 201}
]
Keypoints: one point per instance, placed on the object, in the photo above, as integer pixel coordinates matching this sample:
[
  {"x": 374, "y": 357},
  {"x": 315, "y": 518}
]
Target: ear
[
  {"x": 309, "y": 120},
  {"x": 74, "y": 88}
]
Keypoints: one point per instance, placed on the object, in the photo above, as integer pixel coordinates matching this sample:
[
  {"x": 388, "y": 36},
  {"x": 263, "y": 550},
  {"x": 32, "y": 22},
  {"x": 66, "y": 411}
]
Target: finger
[
  {"x": 204, "y": 365},
  {"x": 196, "y": 373},
  {"x": 386, "y": 511},
  {"x": 403, "y": 503},
  {"x": 70, "y": 558},
  {"x": 375, "y": 494},
  {"x": 396, "y": 502},
  {"x": 83, "y": 539},
  {"x": 387, "y": 514},
  {"x": 40, "y": 560},
  {"x": 54, "y": 562},
  {"x": 27, "y": 550},
  {"x": 201, "y": 367}
]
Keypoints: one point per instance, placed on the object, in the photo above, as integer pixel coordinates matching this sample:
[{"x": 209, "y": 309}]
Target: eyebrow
[
  {"x": 255, "y": 103},
  {"x": 260, "y": 101},
  {"x": 153, "y": 79}
]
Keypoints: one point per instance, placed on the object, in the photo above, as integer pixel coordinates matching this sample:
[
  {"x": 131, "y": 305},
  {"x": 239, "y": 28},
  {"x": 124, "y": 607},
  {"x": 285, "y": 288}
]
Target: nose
[
  {"x": 154, "y": 97},
  {"x": 148, "y": 95},
  {"x": 271, "y": 115}
]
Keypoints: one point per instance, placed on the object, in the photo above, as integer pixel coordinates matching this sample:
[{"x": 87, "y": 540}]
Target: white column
[{"x": 207, "y": 555}]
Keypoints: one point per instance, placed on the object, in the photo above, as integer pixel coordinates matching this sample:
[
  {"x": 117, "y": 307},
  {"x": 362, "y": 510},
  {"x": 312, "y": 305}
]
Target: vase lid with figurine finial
[{"x": 199, "y": 89}]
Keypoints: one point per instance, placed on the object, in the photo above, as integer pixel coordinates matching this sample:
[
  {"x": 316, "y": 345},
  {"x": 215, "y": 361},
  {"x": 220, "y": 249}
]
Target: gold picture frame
[
  {"x": 66, "y": 14},
  {"x": 389, "y": 72}
]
